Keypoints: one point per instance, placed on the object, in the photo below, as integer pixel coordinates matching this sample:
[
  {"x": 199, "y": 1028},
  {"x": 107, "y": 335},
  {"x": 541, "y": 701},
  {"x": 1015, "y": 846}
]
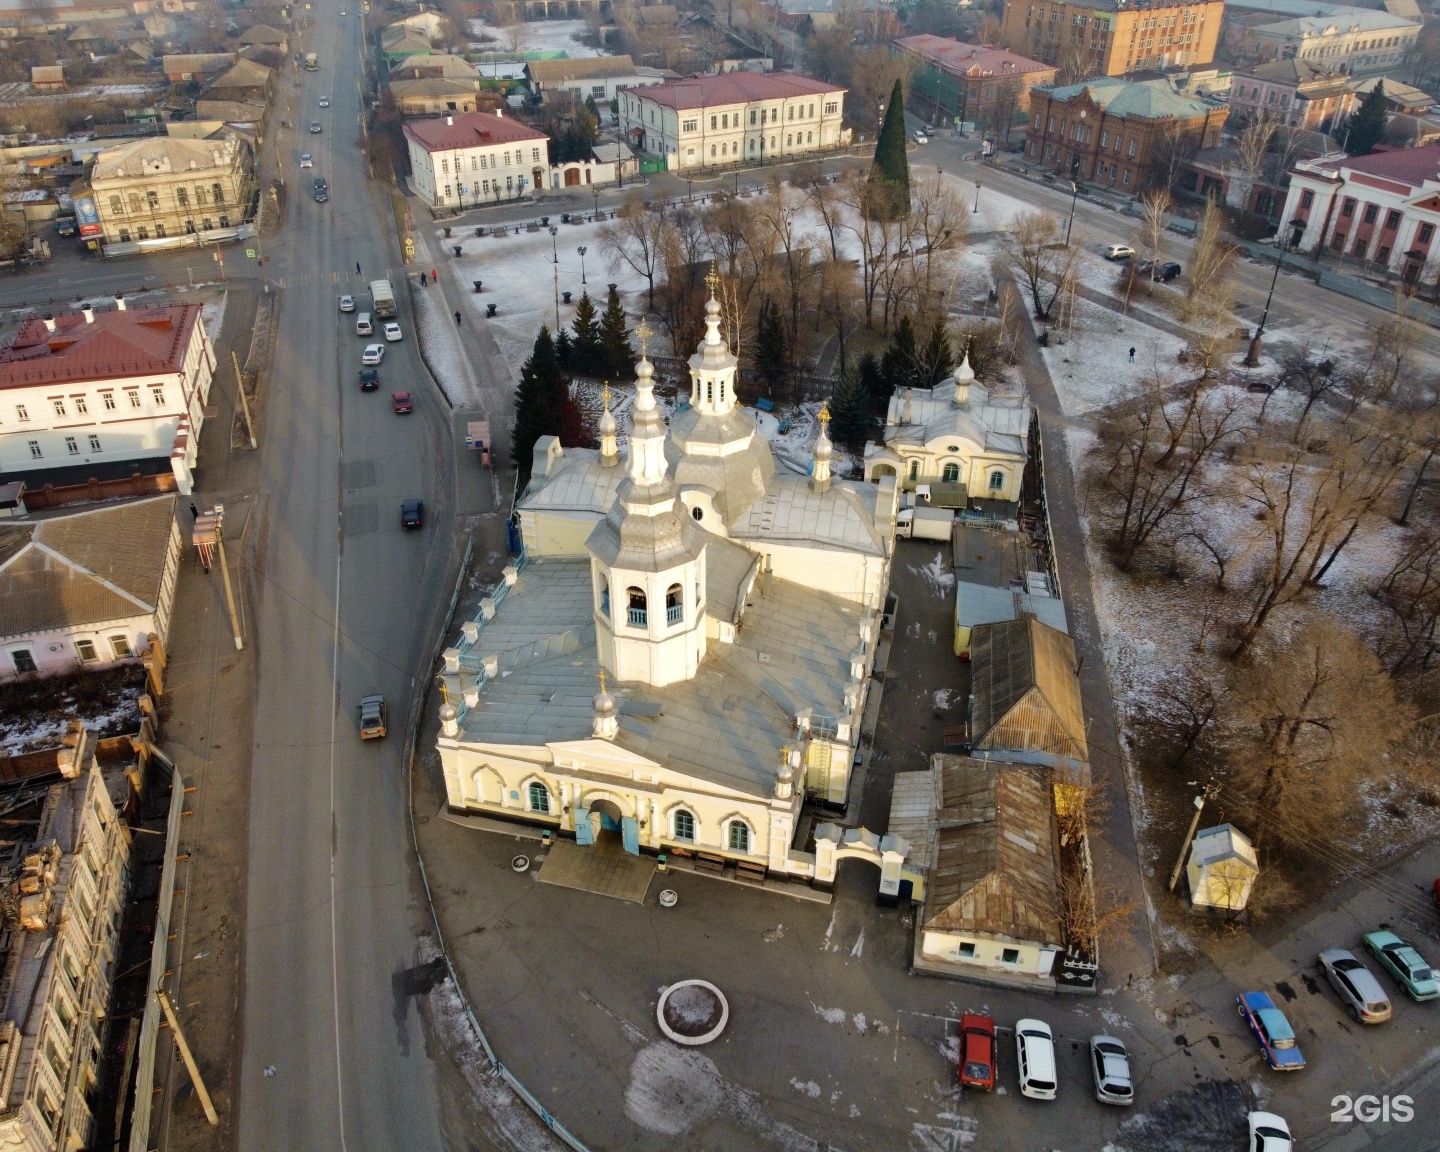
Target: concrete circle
[
  {"x": 697, "y": 1002},
  {"x": 669, "y": 898},
  {"x": 520, "y": 863}
]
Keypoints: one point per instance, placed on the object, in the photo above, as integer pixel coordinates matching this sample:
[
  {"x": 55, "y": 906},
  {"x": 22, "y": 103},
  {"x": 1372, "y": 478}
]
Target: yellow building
[
  {"x": 1085, "y": 38},
  {"x": 164, "y": 187}
]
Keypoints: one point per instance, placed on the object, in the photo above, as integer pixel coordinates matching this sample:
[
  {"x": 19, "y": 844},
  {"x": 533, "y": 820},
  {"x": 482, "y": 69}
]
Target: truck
[
  {"x": 384, "y": 297},
  {"x": 372, "y": 717},
  {"x": 312, "y": 62},
  {"x": 924, "y": 523}
]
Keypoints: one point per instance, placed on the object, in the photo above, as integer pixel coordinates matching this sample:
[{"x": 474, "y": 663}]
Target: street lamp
[
  {"x": 581, "y": 250},
  {"x": 689, "y": 193},
  {"x": 555, "y": 264},
  {"x": 1074, "y": 197},
  {"x": 977, "y": 197},
  {"x": 595, "y": 191},
  {"x": 1252, "y": 357}
]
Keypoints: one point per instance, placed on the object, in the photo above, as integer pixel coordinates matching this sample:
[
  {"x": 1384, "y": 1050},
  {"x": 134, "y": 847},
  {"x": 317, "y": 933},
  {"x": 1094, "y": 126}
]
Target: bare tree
[
  {"x": 636, "y": 240},
  {"x": 1252, "y": 148},
  {"x": 1210, "y": 292},
  {"x": 1303, "y": 743},
  {"x": 1411, "y": 592},
  {"x": 1045, "y": 260},
  {"x": 1313, "y": 379}
]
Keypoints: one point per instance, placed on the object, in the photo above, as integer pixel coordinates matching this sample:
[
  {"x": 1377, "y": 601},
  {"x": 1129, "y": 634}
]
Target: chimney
[
  {"x": 500, "y": 112},
  {"x": 49, "y": 321},
  {"x": 120, "y": 302},
  {"x": 449, "y": 121},
  {"x": 88, "y": 312}
]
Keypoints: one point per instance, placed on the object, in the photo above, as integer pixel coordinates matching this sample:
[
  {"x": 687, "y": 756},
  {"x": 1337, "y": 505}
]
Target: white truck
[
  {"x": 924, "y": 523},
  {"x": 384, "y": 297}
]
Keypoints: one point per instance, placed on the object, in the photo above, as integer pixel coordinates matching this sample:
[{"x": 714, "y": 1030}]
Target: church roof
[
  {"x": 791, "y": 510},
  {"x": 738, "y": 479},
  {"x": 996, "y": 423},
  {"x": 726, "y": 726},
  {"x": 579, "y": 483}
]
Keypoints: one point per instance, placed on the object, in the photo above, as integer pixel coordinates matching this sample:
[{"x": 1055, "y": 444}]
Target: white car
[
  {"x": 325, "y": 100},
  {"x": 314, "y": 126},
  {"x": 1269, "y": 1133},
  {"x": 920, "y": 137},
  {"x": 392, "y": 332},
  {"x": 347, "y": 303},
  {"x": 306, "y": 160},
  {"x": 1035, "y": 1047},
  {"x": 373, "y": 354},
  {"x": 1110, "y": 1064},
  {"x": 1119, "y": 252}
]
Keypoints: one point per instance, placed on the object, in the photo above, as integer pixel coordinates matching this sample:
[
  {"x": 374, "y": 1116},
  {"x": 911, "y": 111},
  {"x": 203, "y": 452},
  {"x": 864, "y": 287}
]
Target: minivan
[
  {"x": 1035, "y": 1047},
  {"x": 363, "y": 327}
]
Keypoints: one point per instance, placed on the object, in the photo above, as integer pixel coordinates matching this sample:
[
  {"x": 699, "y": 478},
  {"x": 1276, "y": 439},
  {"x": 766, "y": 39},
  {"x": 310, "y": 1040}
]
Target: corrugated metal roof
[
  {"x": 735, "y": 88},
  {"x": 469, "y": 130},
  {"x": 912, "y": 815},
  {"x": 977, "y": 604},
  {"x": 584, "y": 68},
  {"x": 1026, "y": 695}
]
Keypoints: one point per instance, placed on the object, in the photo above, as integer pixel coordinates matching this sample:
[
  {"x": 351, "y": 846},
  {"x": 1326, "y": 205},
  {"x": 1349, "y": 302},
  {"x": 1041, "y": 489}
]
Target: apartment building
[
  {"x": 971, "y": 82},
  {"x": 1355, "y": 41},
  {"x": 469, "y": 158},
  {"x": 1294, "y": 92},
  {"x": 1113, "y": 37},
  {"x": 167, "y": 186}
]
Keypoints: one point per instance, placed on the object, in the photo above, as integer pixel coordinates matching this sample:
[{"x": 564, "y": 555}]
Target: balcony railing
[
  {"x": 637, "y": 617},
  {"x": 674, "y": 613}
]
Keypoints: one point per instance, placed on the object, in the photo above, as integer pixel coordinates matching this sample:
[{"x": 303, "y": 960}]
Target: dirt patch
[{"x": 33, "y": 713}]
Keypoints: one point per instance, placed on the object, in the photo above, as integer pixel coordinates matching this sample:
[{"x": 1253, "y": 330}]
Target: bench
[
  {"x": 749, "y": 872},
  {"x": 709, "y": 862}
]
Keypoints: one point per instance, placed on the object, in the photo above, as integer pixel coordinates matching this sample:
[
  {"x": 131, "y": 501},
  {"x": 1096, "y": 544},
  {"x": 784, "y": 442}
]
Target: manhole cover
[
  {"x": 669, "y": 898},
  {"x": 520, "y": 863},
  {"x": 692, "y": 1012}
]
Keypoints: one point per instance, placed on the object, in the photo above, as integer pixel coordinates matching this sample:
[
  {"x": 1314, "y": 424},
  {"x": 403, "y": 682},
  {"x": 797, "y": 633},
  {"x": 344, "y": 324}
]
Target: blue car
[{"x": 1272, "y": 1030}]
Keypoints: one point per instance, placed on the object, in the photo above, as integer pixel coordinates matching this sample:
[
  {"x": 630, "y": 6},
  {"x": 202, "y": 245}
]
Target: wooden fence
[{"x": 137, "y": 485}]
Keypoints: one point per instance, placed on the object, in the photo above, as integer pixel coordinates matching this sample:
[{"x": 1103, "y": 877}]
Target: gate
[{"x": 652, "y": 164}]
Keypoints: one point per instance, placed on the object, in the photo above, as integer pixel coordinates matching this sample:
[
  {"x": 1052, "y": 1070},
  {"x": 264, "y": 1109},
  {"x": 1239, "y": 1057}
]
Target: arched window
[
  {"x": 951, "y": 474},
  {"x": 539, "y": 798},
  {"x": 685, "y": 826},
  {"x": 997, "y": 481},
  {"x": 914, "y": 469},
  {"x": 739, "y": 838},
  {"x": 637, "y": 615},
  {"x": 674, "y": 604},
  {"x": 604, "y": 597}
]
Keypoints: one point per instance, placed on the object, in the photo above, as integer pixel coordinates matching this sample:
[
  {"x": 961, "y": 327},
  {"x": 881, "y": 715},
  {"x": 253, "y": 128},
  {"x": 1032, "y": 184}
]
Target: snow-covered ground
[
  {"x": 538, "y": 36},
  {"x": 1092, "y": 368},
  {"x": 213, "y": 316}
]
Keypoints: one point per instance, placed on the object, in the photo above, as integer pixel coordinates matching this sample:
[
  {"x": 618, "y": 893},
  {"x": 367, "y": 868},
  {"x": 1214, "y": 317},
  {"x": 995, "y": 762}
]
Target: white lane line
[{"x": 334, "y": 946}]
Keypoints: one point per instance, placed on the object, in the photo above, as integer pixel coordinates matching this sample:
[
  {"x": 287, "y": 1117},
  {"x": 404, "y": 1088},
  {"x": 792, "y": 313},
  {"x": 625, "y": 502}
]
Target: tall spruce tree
[
  {"x": 564, "y": 348},
  {"x": 872, "y": 384},
  {"x": 615, "y": 339},
  {"x": 888, "y": 192},
  {"x": 539, "y": 401},
  {"x": 899, "y": 364},
  {"x": 587, "y": 355},
  {"x": 1366, "y": 126},
  {"x": 850, "y": 411},
  {"x": 937, "y": 359},
  {"x": 772, "y": 351}
]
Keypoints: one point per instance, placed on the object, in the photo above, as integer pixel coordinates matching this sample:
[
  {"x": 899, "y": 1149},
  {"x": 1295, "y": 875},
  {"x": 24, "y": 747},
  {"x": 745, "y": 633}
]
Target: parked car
[
  {"x": 392, "y": 332},
  {"x": 1356, "y": 986},
  {"x": 347, "y": 303},
  {"x": 372, "y": 717},
  {"x": 1271, "y": 1030},
  {"x": 369, "y": 379},
  {"x": 66, "y": 226},
  {"x": 977, "y": 1051},
  {"x": 401, "y": 400},
  {"x": 920, "y": 137},
  {"x": 306, "y": 160},
  {"x": 1110, "y": 1064},
  {"x": 1159, "y": 272},
  {"x": 325, "y": 100},
  {"x": 1119, "y": 252},
  {"x": 322, "y": 190},
  {"x": 373, "y": 354},
  {"x": 1269, "y": 1133},
  {"x": 1035, "y": 1048},
  {"x": 314, "y": 126},
  {"x": 412, "y": 514},
  {"x": 1402, "y": 961}
]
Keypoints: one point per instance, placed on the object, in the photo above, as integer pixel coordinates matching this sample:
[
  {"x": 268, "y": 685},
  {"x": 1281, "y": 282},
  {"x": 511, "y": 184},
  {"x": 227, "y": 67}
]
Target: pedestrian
[
  {"x": 1132, "y": 355},
  {"x": 357, "y": 269},
  {"x": 424, "y": 283},
  {"x": 457, "y": 317},
  {"x": 194, "y": 512},
  {"x": 434, "y": 276}
]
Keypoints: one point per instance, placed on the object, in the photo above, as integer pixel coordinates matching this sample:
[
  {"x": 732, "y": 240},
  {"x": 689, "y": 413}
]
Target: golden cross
[
  {"x": 644, "y": 331},
  {"x": 824, "y": 417},
  {"x": 712, "y": 280},
  {"x": 444, "y": 692},
  {"x": 605, "y": 394},
  {"x": 602, "y": 680}
]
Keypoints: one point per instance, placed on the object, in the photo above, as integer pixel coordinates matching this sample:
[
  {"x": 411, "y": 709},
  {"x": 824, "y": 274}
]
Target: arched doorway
[{"x": 572, "y": 177}]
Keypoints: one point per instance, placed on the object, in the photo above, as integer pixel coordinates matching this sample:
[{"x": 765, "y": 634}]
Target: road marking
[
  {"x": 334, "y": 277},
  {"x": 334, "y": 947}
]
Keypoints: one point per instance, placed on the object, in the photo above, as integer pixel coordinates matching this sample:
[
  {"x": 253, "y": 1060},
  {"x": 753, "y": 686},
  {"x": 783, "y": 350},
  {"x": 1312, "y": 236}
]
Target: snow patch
[
  {"x": 937, "y": 574},
  {"x": 808, "y": 1087},
  {"x": 672, "y": 1089},
  {"x": 830, "y": 1015}
]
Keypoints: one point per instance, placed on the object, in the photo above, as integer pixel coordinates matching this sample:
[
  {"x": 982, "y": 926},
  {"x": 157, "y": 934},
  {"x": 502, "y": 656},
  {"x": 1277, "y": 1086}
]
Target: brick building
[
  {"x": 1119, "y": 133},
  {"x": 1113, "y": 37},
  {"x": 974, "y": 82},
  {"x": 1297, "y": 93}
]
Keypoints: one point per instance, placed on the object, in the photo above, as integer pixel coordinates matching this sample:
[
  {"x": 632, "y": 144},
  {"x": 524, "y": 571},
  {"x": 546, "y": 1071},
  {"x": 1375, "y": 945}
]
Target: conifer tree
[
  {"x": 564, "y": 348},
  {"x": 615, "y": 339},
  {"x": 539, "y": 400},
  {"x": 587, "y": 355},
  {"x": 772, "y": 352},
  {"x": 898, "y": 365},
  {"x": 850, "y": 411},
  {"x": 1366, "y": 126},
  {"x": 888, "y": 194},
  {"x": 937, "y": 360},
  {"x": 872, "y": 384}
]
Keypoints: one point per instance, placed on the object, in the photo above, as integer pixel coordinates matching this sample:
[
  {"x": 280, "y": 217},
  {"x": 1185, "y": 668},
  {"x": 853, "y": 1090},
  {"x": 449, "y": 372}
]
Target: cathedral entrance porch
[{"x": 603, "y": 867}]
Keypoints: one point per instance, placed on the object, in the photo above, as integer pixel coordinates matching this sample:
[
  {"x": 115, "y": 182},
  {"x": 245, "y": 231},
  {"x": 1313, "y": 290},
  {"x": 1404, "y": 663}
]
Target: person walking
[
  {"x": 434, "y": 276},
  {"x": 357, "y": 269},
  {"x": 194, "y": 512},
  {"x": 1132, "y": 355},
  {"x": 457, "y": 317}
]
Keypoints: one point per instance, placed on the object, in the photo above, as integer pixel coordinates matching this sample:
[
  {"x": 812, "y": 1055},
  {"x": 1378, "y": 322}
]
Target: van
[
  {"x": 1035, "y": 1047},
  {"x": 363, "y": 327}
]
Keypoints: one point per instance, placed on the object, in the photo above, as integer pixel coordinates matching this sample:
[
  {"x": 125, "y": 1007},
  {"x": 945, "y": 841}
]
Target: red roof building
[
  {"x": 711, "y": 121},
  {"x": 68, "y": 349},
  {"x": 975, "y": 82},
  {"x": 470, "y": 158}
]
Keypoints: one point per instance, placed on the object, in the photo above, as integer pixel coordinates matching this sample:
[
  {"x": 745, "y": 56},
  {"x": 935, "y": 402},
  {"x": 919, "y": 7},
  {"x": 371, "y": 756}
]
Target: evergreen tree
[
  {"x": 772, "y": 351},
  {"x": 937, "y": 360},
  {"x": 539, "y": 400},
  {"x": 872, "y": 384},
  {"x": 898, "y": 365},
  {"x": 587, "y": 356},
  {"x": 1366, "y": 126},
  {"x": 564, "y": 348},
  {"x": 850, "y": 411},
  {"x": 889, "y": 186},
  {"x": 615, "y": 339}
]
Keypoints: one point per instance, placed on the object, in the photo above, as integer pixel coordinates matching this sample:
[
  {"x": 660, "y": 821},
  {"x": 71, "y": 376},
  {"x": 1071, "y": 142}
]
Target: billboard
[{"x": 86, "y": 215}]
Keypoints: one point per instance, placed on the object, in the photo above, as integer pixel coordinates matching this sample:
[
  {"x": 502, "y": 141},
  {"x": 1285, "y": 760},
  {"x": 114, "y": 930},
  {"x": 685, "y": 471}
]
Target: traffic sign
[
  {"x": 250, "y": 253},
  {"x": 409, "y": 246}
]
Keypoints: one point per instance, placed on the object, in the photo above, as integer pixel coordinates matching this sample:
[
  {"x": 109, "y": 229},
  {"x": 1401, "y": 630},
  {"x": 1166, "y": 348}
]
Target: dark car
[
  {"x": 412, "y": 514},
  {"x": 66, "y": 226},
  {"x": 322, "y": 190},
  {"x": 369, "y": 379},
  {"x": 977, "y": 1051},
  {"x": 1163, "y": 272},
  {"x": 401, "y": 400}
]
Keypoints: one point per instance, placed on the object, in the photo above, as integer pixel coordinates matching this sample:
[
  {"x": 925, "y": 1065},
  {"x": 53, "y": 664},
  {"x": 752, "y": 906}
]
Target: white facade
[
  {"x": 1360, "y": 42},
  {"x": 100, "y": 414},
  {"x": 459, "y": 169}
]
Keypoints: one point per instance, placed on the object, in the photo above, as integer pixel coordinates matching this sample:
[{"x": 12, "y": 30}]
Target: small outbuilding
[
  {"x": 977, "y": 604},
  {"x": 47, "y": 78},
  {"x": 1222, "y": 869},
  {"x": 1025, "y": 695}
]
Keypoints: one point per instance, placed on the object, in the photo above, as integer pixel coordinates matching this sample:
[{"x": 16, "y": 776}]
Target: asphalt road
[{"x": 334, "y": 1057}]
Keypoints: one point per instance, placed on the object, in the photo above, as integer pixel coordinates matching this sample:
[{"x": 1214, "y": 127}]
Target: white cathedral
[{"x": 683, "y": 651}]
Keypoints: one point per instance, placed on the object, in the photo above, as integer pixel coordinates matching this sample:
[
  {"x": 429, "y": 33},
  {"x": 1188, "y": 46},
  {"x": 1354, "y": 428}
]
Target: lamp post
[
  {"x": 555, "y": 264},
  {"x": 595, "y": 191},
  {"x": 977, "y": 198},
  {"x": 1252, "y": 357},
  {"x": 689, "y": 192},
  {"x": 581, "y": 250},
  {"x": 1074, "y": 197}
]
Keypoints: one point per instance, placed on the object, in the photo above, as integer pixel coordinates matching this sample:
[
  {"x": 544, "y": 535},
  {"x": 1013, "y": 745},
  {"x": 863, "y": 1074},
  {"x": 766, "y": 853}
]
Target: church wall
[
  {"x": 551, "y": 533},
  {"x": 850, "y": 575}
]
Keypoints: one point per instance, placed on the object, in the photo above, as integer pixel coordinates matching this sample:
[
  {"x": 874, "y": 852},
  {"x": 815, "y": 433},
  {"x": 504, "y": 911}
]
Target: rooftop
[
  {"x": 1025, "y": 693},
  {"x": 585, "y": 68},
  {"x": 735, "y": 88},
  {"x": 136, "y": 342},
  {"x": 469, "y": 130},
  {"x": 1413, "y": 166},
  {"x": 1335, "y": 24},
  {"x": 1294, "y": 71},
  {"x": 1147, "y": 99},
  {"x": 161, "y": 154},
  {"x": 974, "y": 59}
]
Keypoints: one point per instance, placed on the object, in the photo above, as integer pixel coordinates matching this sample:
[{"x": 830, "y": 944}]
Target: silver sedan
[{"x": 1356, "y": 986}]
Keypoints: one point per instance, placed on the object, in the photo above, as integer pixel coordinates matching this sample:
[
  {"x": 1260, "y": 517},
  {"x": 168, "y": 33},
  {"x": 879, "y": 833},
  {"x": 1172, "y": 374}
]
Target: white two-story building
[
  {"x": 90, "y": 388},
  {"x": 468, "y": 158},
  {"x": 737, "y": 117}
]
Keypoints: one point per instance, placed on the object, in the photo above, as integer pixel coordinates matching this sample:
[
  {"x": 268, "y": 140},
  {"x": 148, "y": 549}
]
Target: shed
[
  {"x": 48, "y": 78},
  {"x": 977, "y": 604},
  {"x": 1222, "y": 869},
  {"x": 1025, "y": 696}
]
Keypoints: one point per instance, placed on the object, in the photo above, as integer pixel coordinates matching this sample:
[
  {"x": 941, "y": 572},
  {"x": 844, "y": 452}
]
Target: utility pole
[
  {"x": 555, "y": 260},
  {"x": 225, "y": 574},
  {"x": 1252, "y": 357},
  {"x": 185, "y": 1054},
  {"x": 1074, "y": 196},
  {"x": 244, "y": 403},
  {"x": 1209, "y": 792}
]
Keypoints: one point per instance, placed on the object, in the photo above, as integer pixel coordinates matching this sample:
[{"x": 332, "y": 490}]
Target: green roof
[{"x": 1148, "y": 99}]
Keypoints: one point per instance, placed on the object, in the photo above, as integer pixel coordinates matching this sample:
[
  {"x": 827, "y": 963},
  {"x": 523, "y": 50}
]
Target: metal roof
[
  {"x": 1144, "y": 99},
  {"x": 136, "y": 342},
  {"x": 1026, "y": 695}
]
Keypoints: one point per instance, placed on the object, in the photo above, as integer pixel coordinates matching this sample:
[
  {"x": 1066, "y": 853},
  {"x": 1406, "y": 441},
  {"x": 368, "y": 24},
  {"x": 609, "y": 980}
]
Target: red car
[
  {"x": 977, "y": 1051},
  {"x": 401, "y": 401}
]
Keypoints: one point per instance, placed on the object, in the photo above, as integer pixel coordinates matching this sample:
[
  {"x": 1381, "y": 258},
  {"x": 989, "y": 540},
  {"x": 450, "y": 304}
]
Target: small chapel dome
[
  {"x": 604, "y": 703},
  {"x": 965, "y": 374},
  {"x": 608, "y": 425},
  {"x": 447, "y": 712},
  {"x": 824, "y": 449}
]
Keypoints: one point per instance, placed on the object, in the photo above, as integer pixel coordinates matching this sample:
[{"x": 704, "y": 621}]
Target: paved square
[{"x": 605, "y": 867}]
